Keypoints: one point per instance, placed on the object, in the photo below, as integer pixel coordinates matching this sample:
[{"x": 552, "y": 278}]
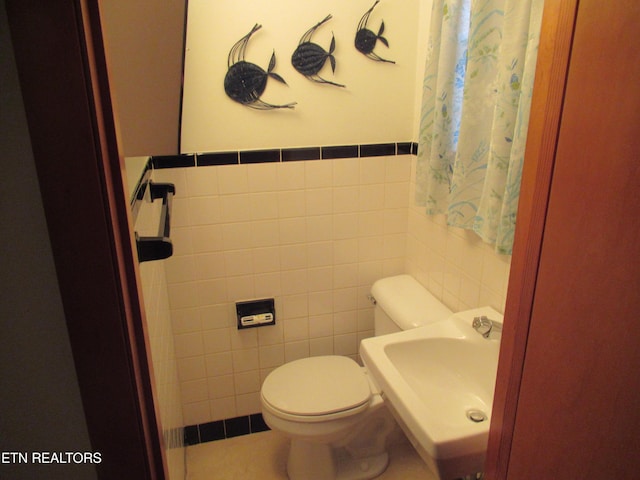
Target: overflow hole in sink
[{"x": 476, "y": 416}]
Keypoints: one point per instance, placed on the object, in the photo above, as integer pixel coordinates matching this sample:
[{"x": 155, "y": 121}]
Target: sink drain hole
[{"x": 476, "y": 416}]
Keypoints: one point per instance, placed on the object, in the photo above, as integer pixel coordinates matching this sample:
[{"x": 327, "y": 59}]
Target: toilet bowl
[
  {"x": 329, "y": 406},
  {"x": 334, "y": 415}
]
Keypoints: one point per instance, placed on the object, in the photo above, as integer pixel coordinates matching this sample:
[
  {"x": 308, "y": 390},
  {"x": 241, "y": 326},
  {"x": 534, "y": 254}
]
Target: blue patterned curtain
[{"x": 475, "y": 112}]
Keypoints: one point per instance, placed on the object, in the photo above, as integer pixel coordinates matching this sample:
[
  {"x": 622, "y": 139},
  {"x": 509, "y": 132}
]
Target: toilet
[{"x": 329, "y": 406}]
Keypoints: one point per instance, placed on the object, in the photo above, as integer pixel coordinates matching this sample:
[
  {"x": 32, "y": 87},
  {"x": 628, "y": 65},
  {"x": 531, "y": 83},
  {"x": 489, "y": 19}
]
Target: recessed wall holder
[
  {"x": 160, "y": 246},
  {"x": 256, "y": 313}
]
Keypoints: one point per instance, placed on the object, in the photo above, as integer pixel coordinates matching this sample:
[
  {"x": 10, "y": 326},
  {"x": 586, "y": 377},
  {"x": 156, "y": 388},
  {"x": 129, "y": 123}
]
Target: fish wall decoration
[
  {"x": 245, "y": 82},
  {"x": 366, "y": 40},
  {"x": 309, "y": 58}
]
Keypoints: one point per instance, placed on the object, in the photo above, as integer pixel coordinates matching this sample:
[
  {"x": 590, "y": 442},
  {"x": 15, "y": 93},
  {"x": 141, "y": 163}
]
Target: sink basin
[{"x": 438, "y": 380}]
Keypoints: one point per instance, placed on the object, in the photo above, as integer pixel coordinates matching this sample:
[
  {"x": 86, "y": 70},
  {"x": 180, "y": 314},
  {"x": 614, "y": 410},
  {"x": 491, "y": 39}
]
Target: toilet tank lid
[{"x": 407, "y": 302}]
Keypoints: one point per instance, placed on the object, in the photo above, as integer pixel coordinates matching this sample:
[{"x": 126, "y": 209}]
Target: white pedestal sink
[{"x": 438, "y": 380}]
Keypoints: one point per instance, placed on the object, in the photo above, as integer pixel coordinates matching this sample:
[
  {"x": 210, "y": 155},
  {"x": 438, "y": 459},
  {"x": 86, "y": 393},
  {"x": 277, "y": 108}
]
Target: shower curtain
[{"x": 475, "y": 111}]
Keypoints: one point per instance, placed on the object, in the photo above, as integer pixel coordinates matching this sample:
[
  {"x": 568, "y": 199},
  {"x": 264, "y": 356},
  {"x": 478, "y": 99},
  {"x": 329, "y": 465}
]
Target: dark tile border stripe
[
  {"x": 405, "y": 148},
  {"x": 284, "y": 155},
  {"x": 219, "y": 158},
  {"x": 259, "y": 156},
  {"x": 173, "y": 161},
  {"x": 294, "y": 154},
  {"x": 221, "y": 429},
  {"x": 341, "y": 151},
  {"x": 377, "y": 150}
]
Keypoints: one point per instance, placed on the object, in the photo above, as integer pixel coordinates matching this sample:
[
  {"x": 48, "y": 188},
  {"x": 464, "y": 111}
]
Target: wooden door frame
[
  {"x": 62, "y": 71},
  {"x": 556, "y": 38}
]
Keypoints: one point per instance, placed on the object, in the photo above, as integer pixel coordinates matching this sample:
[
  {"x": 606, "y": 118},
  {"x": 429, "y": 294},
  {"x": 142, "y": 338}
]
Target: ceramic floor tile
[{"x": 263, "y": 456}]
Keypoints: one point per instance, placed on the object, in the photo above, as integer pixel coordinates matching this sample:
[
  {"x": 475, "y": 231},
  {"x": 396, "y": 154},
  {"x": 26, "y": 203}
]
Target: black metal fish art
[
  {"x": 245, "y": 82},
  {"x": 366, "y": 40},
  {"x": 309, "y": 58}
]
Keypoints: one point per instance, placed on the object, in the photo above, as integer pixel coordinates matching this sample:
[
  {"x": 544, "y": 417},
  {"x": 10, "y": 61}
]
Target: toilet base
[
  {"x": 314, "y": 461},
  {"x": 362, "y": 468}
]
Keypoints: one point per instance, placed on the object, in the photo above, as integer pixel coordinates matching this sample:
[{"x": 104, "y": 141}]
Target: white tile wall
[
  {"x": 168, "y": 390},
  {"x": 454, "y": 264},
  {"x": 315, "y": 235}
]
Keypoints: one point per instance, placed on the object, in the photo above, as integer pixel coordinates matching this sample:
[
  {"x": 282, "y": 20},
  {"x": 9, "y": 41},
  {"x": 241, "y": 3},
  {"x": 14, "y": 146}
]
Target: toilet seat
[{"x": 317, "y": 389}]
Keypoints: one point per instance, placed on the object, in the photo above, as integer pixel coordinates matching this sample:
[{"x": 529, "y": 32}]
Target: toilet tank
[{"x": 402, "y": 303}]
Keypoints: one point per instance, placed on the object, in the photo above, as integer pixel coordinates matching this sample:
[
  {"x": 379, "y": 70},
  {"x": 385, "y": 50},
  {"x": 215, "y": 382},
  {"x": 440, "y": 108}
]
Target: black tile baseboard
[
  {"x": 211, "y": 431},
  {"x": 257, "y": 423},
  {"x": 234, "y": 427},
  {"x": 284, "y": 155},
  {"x": 221, "y": 429}
]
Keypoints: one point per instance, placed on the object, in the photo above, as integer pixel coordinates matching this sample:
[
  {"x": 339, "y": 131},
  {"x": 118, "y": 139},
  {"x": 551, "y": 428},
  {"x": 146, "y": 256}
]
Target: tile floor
[{"x": 263, "y": 456}]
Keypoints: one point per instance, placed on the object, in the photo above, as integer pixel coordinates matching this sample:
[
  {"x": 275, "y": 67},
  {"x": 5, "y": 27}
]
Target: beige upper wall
[
  {"x": 144, "y": 46},
  {"x": 422, "y": 39},
  {"x": 377, "y": 105}
]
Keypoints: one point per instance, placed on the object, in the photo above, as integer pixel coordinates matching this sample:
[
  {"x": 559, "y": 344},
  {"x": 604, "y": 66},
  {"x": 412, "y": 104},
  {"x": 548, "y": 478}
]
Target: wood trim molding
[
  {"x": 66, "y": 97},
  {"x": 551, "y": 74},
  {"x": 124, "y": 241}
]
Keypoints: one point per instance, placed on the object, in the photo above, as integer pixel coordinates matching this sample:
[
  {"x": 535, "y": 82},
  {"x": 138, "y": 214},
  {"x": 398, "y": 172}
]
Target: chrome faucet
[{"x": 484, "y": 326}]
